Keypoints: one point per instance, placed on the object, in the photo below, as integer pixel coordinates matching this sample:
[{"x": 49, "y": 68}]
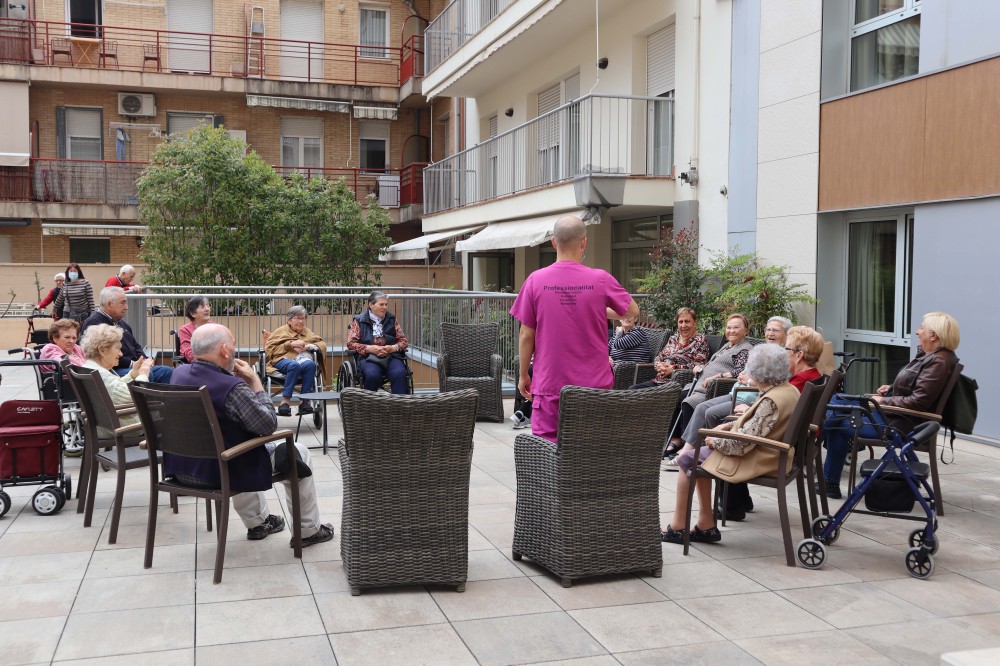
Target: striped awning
[
  {"x": 302, "y": 103},
  {"x": 526, "y": 232},
  {"x": 376, "y": 112},
  {"x": 61, "y": 229},
  {"x": 420, "y": 247}
]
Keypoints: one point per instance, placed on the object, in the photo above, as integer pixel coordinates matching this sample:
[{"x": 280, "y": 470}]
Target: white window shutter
[
  {"x": 311, "y": 128},
  {"x": 660, "y": 61}
]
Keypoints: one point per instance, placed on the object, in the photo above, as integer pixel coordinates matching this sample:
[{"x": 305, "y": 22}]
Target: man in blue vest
[
  {"x": 244, "y": 411},
  {"x": 113, "y": 306}
]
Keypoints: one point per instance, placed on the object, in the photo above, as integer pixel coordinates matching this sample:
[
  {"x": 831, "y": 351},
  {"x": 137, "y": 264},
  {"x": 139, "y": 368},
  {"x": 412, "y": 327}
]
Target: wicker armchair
[
  {"x": 588, "y": 504},
  {"x": 469, "y": 360},
  {"x": 630, "y": 372},
  {"x": 406, "y": 488}
]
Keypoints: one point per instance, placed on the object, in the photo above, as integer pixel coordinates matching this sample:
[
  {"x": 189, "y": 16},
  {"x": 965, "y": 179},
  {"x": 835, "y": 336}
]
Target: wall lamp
[
  {"x": 602, "y": 63},
  {"x": 509, "y": 112}
]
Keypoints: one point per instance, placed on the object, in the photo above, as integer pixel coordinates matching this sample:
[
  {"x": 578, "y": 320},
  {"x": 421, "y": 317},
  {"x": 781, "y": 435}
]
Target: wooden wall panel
[{"x": 932, "y": 138}]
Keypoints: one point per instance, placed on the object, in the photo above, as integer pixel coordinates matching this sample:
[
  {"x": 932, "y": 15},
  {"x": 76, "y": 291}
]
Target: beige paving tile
[
  {"x": 643, "y": 626},
  {"x": 702, "y": 579},
  {"x": 433, "y": 645},
  {"x": 134, "y": 536},
  {"x": 740, "y": 543},
  {"x": 30, "y": 641},
  {"x": 869, "y": 564},
  {"x": 989, "y": 577},
  {"x": 603, "y": 660},
  {"x": 29, "y": 521},
  {"x": 27, "y": 569},
  {"x": 770, "y": 615},
  {"x": 501, "y": 535},
  {"x": 236, "y": 621},
  {"x": 706, "y": 654},
  {"x": 808, "y": 648},
  {"x": 600, "y": 591},
  {"x": 129, "y": 561},
  {"x": 129, "y": 592},
  {"x": 46, "y": 543},
  {"x": 945, "y": 595},
  {"x": 304, "y": 651},
  {"x": 986, "y": 624},
  {"x": 490, "y": 565},
  {"x": 164, "y": 658},
  {"x": 545, "y": 637},
  {"x": 377, "y": 608},
  {"x": 964, "y": 555},
  {"x": 922, "y": 642},
  {"x": 477, "y": 541},
  {"x": 243, "y": 583},
  {"x": 493, "y": 598},
  {"x": 774, "y": 574},
  {"x": 244, "y": 553},
  {"x": 135, "y": 631},
  {"x": 327, "y": 576},
  {"x": 854, "y": 605}
]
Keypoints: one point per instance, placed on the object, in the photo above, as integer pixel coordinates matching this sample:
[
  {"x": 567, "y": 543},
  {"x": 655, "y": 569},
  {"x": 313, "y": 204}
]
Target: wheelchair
[
  {"x": 275, "y": 378},
  {"x": 349, "y": 375}
]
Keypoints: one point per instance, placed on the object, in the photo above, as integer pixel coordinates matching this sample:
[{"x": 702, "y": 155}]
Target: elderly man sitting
[
  {"x": 244, "y": 411},
  {"x": 290, "y": 350},
  {"x": 124, "y": 280},
  {"x": 112, "y": 308}
]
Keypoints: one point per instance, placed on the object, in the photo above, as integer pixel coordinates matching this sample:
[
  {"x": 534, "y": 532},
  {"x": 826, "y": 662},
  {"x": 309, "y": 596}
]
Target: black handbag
[{"x": 281, "y": 461}]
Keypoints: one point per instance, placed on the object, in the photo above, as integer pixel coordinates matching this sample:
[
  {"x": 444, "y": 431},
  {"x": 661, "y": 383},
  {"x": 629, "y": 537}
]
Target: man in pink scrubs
[{"x": 563, "y": 310}]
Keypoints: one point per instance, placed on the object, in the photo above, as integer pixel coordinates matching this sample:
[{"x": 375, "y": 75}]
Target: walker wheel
[
  {"x": 45, "y": 502},
  {"x": 919, "y": 562},
  {"x": 917, "y": 540},
  {"x": 811, "y": 553},
  {"x": 820, "y": 524},
  {"x": 67, "y": 486},
  {"x": 318, "y": 414},
  {"x": 4, "y": 503}
]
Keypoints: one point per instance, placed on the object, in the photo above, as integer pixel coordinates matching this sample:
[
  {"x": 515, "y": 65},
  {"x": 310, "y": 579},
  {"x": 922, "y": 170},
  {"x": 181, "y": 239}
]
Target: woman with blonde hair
[{"x": 102, "y": 345}]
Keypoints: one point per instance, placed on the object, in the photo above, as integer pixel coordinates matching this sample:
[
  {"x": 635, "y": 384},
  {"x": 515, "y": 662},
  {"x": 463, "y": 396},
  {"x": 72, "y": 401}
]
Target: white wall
[{"x": 958, "y": 31}]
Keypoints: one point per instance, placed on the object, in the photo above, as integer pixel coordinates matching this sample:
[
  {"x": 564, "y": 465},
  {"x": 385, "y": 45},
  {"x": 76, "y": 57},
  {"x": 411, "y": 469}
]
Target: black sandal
[
  {"x": 671, "y": 536},
  {"x": 711, "y": 535}
]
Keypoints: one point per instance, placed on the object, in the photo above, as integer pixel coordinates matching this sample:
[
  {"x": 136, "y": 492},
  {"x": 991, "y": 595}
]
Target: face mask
[{"x": 73, "y": 276}]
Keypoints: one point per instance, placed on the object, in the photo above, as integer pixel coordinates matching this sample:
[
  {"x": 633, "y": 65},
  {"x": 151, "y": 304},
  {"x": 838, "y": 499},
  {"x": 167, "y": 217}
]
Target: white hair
[
  {"x": 127, "y": 268},
  {"x": 109, "y": 294},
  {"x": 785, "y": 322},
  {"x": 58, "y": 276}
]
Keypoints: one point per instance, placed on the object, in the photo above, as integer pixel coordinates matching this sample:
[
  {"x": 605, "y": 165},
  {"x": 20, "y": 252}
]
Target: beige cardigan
[{"x": 279, "y": 346}]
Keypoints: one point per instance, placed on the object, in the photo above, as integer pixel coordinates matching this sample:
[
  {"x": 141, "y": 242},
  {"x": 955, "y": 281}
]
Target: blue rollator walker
[{"x": 889, "y": 485}]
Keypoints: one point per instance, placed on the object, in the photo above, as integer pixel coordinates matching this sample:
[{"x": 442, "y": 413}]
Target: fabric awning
[
  {"x": 376, "y": 112},
  {"x": 58, "y": 229},
  {"x": 273, "y": 102},
  {"x": 526, "y": 232},
  {"x": 419, "y": 248}
]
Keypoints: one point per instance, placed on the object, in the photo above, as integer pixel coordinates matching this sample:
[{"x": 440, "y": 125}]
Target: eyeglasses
[
  {"x": 299, "y": 318},
  {"x": 792, "y": 350}
]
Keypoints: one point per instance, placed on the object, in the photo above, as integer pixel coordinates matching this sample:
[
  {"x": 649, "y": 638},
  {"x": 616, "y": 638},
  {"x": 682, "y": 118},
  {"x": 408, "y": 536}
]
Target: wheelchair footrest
[{"x": 892, "y": 471}]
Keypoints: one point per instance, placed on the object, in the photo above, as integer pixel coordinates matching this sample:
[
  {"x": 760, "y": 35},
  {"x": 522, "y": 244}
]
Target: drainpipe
[{"x": 693, "y": 161}]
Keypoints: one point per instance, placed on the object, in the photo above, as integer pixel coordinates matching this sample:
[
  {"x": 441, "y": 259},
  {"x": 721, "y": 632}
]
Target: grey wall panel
[
  {"x": 954, "y": 270},
  {"x": 958, "y": 31},
  {"x": 742, "y": 203},
  {"x": 836, "y": 50}
]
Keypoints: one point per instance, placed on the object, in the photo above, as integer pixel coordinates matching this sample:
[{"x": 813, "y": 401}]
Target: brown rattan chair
[
  {"x": 588, "y": 504},
  {"x": 930, "y": 448},
  {"x": 108, "y": 51},
  {"x": 103, "y": 429},
  {"x": 469, "y": 360},
  {"x": 181, "y": 421},
  {"x": 628, "y": 373},
  {"x": 795, "y": 444},
  {"x": 61, "y": 46},
  {"x": 406, "y": 487}
]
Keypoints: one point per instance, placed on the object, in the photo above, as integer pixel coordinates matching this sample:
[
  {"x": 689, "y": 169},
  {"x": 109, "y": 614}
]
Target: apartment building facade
[{"x": 329, "y": 89}]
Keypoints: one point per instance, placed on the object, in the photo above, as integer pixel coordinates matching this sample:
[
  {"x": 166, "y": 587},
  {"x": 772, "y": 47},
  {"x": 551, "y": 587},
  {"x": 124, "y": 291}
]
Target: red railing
[
  {"x": 113, "y": 182},
  {"x": 49, "y": 43},
  {"x": 411, "y": 59}
]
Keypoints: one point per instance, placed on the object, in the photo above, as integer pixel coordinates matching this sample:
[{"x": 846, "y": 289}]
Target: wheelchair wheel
[
  {"x": 67, "y": 485},
  {"x": 820, "y": 524},
  {"x": 317, "y": 414},
  {"x": 4, "y": 503},
  {"x": 917, "y": 540},
  {"x": 46, "y": 502},
  {"x": 345, "y": 378},
  {"x": 811, "y": 553},
  {"x": 919, "y": 562}
]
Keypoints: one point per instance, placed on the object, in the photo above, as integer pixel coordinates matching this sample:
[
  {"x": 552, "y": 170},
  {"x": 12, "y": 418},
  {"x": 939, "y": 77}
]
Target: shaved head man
[{"x": 563, "y": 310}]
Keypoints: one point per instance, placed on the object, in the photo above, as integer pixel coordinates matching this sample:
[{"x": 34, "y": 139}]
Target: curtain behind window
[
  {"x": 373, "y": 32},
  {"x": 871, "y": 282}
]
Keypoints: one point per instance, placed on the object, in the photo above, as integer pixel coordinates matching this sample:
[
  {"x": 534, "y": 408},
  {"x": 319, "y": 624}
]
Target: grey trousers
[
  {"x": 252, "y": 507},
  {"x": 708, "y": 414}
]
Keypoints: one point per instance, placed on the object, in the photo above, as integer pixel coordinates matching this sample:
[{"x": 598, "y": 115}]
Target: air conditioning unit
[{"x": 135, "y": 104}]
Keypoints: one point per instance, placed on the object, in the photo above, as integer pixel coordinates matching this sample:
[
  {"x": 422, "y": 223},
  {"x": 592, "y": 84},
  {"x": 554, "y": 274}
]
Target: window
[
  {"x": 879, "y": 255},
  {"x": 631, "y": 243},
  {"x": 302, "y": 142},
  {"x": 85, "y": 16},
  {"x": 374, "y": 32},
  {"x": 373, "y": 145},
  {"x": 183, "y": 122},
  {"x": 885, "y": 41},
  {"x": 82, "y": 137},
  {"x": 6, "y": 250},
  {"x": 90, "y": 250}
]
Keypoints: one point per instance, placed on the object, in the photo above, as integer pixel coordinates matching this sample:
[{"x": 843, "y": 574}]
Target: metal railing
[
  {"x": 607, "y": 134},
  {"x": 411, "y": 59},
  {"x": 50, "y": 43},
  {"x": 459, "y": 22},
  {"x": 248, "y": 311},
  {"x": 114, "y": 182}
]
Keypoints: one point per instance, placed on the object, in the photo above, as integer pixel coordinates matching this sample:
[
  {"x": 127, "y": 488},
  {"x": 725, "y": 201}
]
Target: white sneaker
[
  {"x": 519, "y": 420},
  {"x": 670, "y": 465}
]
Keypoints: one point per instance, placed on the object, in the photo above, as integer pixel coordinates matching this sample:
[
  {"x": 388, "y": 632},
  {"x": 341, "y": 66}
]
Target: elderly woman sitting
[
  {"x": 63, "y": 335},
  {"x": 290, "y": 350},
  {"x": 199, "y": 312},
  {"x": 767, "y": 370},
  {"x": 629, "y": 342},
  {"x": 102, "y": 345},
  {"x": 381, "y": 345}
]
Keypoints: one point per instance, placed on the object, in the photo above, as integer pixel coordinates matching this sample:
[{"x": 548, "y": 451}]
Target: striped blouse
[{"x": 76, "y": 299}]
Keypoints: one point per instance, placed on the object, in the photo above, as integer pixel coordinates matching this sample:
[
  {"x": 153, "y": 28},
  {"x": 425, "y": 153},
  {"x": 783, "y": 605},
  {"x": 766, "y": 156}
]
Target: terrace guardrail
[
  {"x": 54, "y": 44},
  {"x": 606, "y": 134},
  {"x": 459, "y": 22}
]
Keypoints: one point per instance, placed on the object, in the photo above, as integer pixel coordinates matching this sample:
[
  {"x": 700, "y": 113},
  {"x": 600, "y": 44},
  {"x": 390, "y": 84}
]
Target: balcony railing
[
  {"x": 623, "y": 135},
  {"x": 457, "y": 24},
  {"x": 114, "y": 182},
  {"x": 411, "y": 59},
  {"x": 148, "y": 50}
]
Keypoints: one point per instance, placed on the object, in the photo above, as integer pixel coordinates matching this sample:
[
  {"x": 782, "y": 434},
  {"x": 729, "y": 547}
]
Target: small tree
[
  {"x": 218, "y": 214},
  {"x": 740, "y": 282},
  {"x": 675, "y": 279}
]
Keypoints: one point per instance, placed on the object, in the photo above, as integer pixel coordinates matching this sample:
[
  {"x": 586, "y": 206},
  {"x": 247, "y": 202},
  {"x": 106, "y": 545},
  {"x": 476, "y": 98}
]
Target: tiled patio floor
[{"x": 67, "y": 596}]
